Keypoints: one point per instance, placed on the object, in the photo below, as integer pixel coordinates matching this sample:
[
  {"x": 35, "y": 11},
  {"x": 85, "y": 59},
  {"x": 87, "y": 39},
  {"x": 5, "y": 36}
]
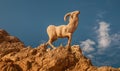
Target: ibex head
[{"x": 71, "y": 14}]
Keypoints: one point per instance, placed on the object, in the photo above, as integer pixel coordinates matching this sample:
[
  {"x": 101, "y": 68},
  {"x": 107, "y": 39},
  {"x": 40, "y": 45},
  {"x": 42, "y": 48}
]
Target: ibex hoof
[
  {"x": 54, "y": 47},
  {"x": 68, "y": 47}
]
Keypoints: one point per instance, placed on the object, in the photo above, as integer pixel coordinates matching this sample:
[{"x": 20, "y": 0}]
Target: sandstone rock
[
  {"x": 9, "y": 43},
  {"x": 9, "y": 65},
  {"x": 5, "y": 37},
  {"x": 14, "y": 56}
]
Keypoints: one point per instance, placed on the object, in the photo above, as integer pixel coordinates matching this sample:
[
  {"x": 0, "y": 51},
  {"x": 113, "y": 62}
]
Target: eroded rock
[{"x": 14, "y": 56}]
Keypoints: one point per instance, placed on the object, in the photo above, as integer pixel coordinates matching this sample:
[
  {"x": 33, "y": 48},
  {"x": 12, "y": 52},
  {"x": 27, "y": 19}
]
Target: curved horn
[{"x": 65, "y": 17}]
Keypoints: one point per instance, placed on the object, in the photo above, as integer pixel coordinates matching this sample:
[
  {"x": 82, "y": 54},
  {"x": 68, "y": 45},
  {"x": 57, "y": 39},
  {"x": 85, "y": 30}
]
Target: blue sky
[{"x": 98, "y": 32}]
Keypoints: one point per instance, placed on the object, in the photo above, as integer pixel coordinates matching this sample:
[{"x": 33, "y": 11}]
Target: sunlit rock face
[{"x": 15, "y": 56}]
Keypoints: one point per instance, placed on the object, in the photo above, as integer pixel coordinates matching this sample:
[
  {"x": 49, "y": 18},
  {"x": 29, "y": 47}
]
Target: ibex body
[{"x": 63, "y": 31}]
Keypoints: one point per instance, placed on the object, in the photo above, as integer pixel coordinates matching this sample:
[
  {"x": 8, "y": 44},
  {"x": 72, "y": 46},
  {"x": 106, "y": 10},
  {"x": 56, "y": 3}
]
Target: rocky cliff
[{"x": 15, "y": 56}]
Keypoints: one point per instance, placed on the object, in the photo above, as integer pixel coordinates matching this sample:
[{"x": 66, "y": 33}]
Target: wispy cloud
[
  {"x": 90, "y": 56},
  {"x": 103, "y": 39},
  {"x": 105, "y": 45},
  {"x": 101, "y": 14},
  {"x": 115, "y": 38},
  {"x": 87, "y": 45},
  {"x": 103, "y": 36}
]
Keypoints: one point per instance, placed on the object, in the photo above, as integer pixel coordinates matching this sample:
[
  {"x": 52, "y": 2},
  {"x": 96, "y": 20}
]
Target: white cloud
[
  {"x": 98, "y": 49},
  {"x": 90, "y": 56},
  {"x": 115, "y": 38},
  {"x": 87, "y": 45},
  {"x": 101, "y": 14},
  {"x": 104, "y": 39}
]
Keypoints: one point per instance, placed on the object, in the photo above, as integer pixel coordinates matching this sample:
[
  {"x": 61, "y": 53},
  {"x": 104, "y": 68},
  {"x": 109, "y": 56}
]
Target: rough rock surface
[{"x": 14, "y": 56}]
